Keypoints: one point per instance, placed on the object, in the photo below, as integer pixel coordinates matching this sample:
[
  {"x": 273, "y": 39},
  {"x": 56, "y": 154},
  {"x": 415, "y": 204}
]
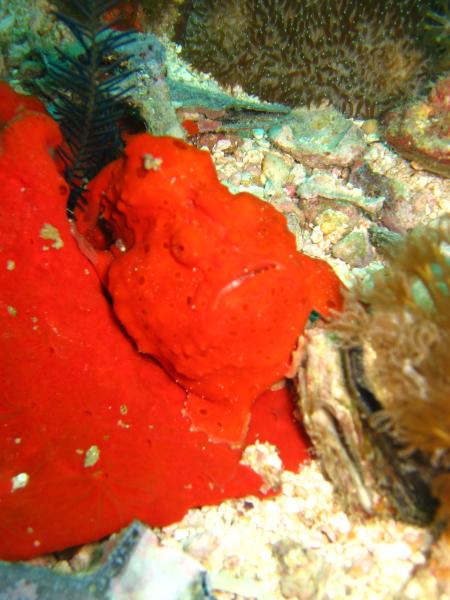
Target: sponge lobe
[{"x": 360, "y": 55}]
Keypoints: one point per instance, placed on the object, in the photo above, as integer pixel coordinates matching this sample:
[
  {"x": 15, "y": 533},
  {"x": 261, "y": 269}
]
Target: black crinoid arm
[{"x": 90, "y": 88}]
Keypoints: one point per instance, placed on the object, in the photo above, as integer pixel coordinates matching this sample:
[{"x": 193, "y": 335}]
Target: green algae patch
[
  {"x": 49, "y": 232},
  {"x": 92, "y": 456}
]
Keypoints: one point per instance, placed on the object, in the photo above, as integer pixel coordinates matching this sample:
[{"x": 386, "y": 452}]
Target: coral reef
[
  {"x": 360, "y": 56},
  {"x": 161, "y": 15},
  {"x": 151, "y": 93},
  {"x": 421, "y": 131},
  {"x": 402, "y": 325},
  {"x": 437, "y": 27}
]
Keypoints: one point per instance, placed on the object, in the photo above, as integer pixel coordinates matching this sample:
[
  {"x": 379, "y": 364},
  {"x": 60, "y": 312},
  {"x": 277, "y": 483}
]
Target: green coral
[
  {"x": 362, "y": 56},
  {"x": 437, "y": 28},
  {"x": 438, "y": 24}
]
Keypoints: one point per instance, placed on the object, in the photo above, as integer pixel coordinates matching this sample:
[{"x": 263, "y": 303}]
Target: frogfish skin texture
[{"x": 207, "y": 282}]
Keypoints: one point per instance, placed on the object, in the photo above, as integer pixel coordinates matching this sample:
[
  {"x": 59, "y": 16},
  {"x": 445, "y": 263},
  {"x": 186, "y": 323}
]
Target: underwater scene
[{"x": 224, "y": 299}]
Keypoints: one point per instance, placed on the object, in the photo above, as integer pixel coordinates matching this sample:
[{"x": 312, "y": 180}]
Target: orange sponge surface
[{"x": 93, "y": 433}]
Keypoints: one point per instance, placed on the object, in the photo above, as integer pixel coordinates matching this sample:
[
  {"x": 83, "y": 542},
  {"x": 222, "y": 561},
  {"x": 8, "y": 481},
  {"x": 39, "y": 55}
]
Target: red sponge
[{"x": 93, "y": 433}]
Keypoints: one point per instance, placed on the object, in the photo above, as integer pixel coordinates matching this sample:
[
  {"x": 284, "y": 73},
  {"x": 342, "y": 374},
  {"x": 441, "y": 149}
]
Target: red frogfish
[{"x": 208, "y": 283}]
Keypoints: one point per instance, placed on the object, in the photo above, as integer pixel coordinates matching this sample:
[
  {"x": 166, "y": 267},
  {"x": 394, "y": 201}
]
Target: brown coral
[
  {"x": 420, "y": 131},
  {"x": 359, "y": 55},
  {"x": 408, "y": 331},
  {"x": 403, "y": 326}
]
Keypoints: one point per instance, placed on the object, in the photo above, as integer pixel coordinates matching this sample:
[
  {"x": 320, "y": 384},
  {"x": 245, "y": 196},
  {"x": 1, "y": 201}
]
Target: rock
[
  {"x": 319, "y": 138},
  {"x": 334, "y": 223},
  {"x": 301, "y": 572},
  {"x": 311, "y": 208},
  {"x": 275, "y": 169},
  {"x": 151, "y": 90},
  {"x": 421, "y": 131},
  {"x": 202, "y": 545},
  {"x": 155, "y": 571},
  {"x": 136, "y": 567},
  {"x": 407, "y": 208},
  {"x": 327, "y": 185},
  {"x": 372, "y": 183},
  {"x": 354, "y": 249}
]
